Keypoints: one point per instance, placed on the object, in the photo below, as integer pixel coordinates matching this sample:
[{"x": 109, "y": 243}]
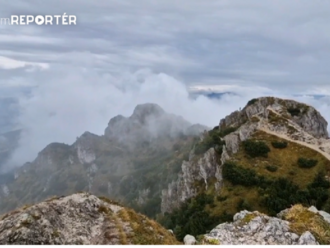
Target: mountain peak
[
  {"x": 147, "y": 123},
  {"x": 280, "y": 112},
  {"x": 147, "y": 110}
]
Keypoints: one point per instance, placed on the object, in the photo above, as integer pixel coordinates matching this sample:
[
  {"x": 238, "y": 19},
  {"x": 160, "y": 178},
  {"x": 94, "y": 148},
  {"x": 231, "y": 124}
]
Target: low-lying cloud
[{"x": 73, "y": 100}]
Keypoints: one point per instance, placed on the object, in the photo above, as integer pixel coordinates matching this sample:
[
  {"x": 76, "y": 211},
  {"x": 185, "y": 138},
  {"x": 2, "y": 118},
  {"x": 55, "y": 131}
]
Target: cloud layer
[{"x": 282, "y": 44}]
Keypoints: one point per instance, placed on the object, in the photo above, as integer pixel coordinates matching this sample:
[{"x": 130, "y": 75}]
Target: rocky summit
[
  {"x": 80, "y": 219},
  {"x": 294, "y": 226}
]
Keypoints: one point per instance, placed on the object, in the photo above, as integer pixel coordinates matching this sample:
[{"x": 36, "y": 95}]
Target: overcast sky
[
  {"x": 122, "y": 53},
  {"x": 272, "y": 43}
]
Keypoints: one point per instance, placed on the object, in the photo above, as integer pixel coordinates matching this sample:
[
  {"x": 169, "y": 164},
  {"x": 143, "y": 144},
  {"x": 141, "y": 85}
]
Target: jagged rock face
[
  {"x": 195, "y": 170},
  {"x": 254, "y": 228},
  {"x": 80, "y": 219},
  {"x": 307, "y": 117},
  {"x": 148, "y": 121}
]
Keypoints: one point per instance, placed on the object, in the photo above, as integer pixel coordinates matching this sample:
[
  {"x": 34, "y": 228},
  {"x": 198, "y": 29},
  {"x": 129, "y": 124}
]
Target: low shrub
[
  {"x": 252, "y": 101},
  {"x": 307, "y": 163},
  {"x": 226, "y": 131},
  {"x": 294, "y": 111},
  {"x": 222, "y": 198},
  {"x": 256, "y": 148},
  {"x": 279, "y": 145},
  {"x": 271, "y": 168},
  {"x": 241, "y": 176}
]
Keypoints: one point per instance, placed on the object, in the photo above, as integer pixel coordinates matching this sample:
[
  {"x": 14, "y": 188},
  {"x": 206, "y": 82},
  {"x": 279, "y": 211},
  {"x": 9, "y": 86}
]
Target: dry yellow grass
[
  {"x": 302, "y": 220},
  {"x": 286, "y": 162},
  {"x": 123, "y": 215},
  {"x": 285, "y": 159},
  {"x": 148, "y": 231}
]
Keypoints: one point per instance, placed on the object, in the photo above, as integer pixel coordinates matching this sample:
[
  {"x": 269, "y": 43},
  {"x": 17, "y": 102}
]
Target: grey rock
[
  {"x": 260, "y": 229},
  {"x": 310, "y": 120},
  {"x": 76, "y": 219},
  {"x": 325, "y": 216},
  {"x": 193, "y": 170},
  {"x": 313, "y": 209},
  {"x": 240, "y": 215},
  {"x": 307, "y": 239},
  {"x": 189, "y": 240}
]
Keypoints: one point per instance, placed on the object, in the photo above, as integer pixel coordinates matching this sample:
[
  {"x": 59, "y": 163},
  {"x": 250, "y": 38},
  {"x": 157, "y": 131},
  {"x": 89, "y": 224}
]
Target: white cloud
[{"x": 8, "y": 63}]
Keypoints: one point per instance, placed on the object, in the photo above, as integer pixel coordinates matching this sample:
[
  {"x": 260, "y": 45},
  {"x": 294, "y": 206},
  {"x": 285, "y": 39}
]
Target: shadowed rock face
[{"x": 80, "y": 219}]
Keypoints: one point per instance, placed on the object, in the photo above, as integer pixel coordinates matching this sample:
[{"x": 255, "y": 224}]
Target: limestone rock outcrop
[
  {"x": 254, "y": 228},
  {"x": 195, "y": 170},
  {"x": 80, "y": 219},
  {"x": 306, "y": 117}
]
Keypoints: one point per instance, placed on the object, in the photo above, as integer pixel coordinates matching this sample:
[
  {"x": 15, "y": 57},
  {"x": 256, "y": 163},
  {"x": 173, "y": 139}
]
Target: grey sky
[
  {"x": 122, "y": 53},
  {"x": 272, "y": 43}
]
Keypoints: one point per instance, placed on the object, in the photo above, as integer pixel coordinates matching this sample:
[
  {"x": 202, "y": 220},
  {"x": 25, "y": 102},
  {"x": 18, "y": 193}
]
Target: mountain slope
[{"x": 272, "y": 154}]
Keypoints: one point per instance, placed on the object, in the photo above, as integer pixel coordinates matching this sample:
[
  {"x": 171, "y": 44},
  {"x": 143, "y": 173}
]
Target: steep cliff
[{"x": 201, "y": 170}]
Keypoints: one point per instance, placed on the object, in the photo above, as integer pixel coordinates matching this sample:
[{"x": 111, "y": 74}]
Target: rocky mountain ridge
[
  {"x": 112, "y": 164},
  {"x": 82, "y": 219}
]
